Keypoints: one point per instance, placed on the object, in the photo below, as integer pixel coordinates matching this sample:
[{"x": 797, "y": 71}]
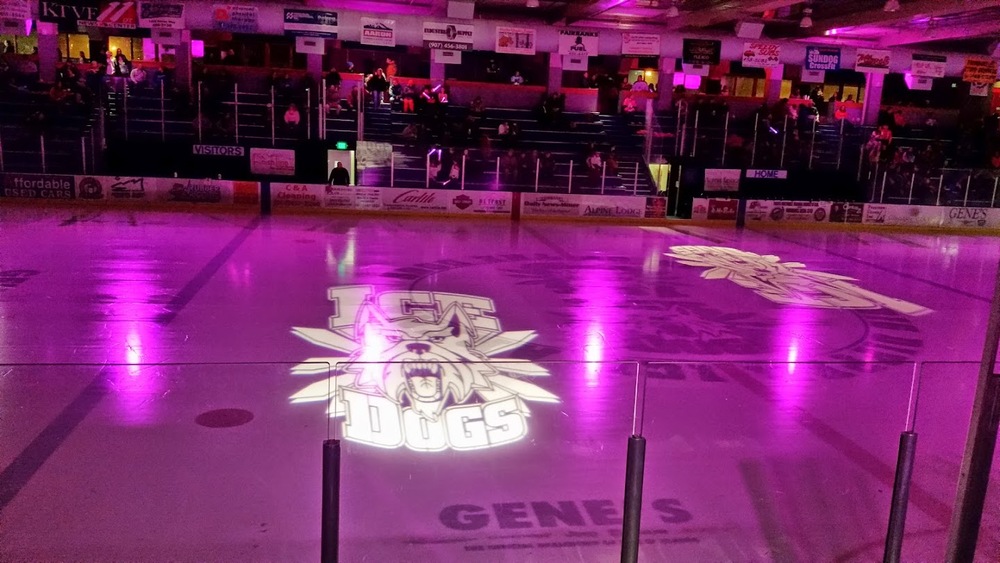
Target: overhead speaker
[
  {"x": 461, "y": 10},
  {"x": 749, "y": 30}
]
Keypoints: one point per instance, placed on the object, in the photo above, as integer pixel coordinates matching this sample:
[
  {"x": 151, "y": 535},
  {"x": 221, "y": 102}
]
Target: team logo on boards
[
  {"x": 416, "y": 371},
  {"x": 788, "y": 283}
]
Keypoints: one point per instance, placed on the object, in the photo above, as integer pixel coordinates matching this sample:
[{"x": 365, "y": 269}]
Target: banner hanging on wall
[
  {"x": 13, "y": 15},
  {"x": 380, "y": 32},
  {"x": 311, "y": 23},
  {"x": 515, "y": 40},
  {"x": 980, "y": 70},
  {"x": 702, "y": 51},
  {"x": 69, "y": 15},
  {"x": 875, "y": 61},
  {"x": 161, "y": 15},
  {"x": 448, "y": 36},
  {"x": 928, "y": 65},
  {"x": 760, "y": 54},
  {"x": 578, "y": 43},
  {"x": 235, "y": 18},
  {"x": 822, "y": 58},
  {"x": 642, "y": 44}
]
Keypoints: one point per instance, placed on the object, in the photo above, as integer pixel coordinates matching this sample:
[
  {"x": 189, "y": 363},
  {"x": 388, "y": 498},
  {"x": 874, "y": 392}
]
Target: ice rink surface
[{"x": 167, "y": 381}]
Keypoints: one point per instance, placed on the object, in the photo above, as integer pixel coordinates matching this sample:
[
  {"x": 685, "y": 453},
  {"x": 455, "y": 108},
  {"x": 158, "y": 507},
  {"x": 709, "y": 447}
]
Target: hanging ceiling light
[
  {"x": 891, "y": 6},
  {"x": 672, "y": 11},
  {"x": 532, "y": 3},
  {"x": 807, "y": 20}
]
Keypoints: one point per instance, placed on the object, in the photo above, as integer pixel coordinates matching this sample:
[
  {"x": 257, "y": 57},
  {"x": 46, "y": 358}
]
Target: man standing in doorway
[{"x": 339, "y": 176}]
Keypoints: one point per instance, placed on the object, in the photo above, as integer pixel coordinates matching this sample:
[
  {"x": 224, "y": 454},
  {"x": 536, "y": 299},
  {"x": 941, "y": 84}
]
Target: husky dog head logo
[{"x": 418, "y": 370}]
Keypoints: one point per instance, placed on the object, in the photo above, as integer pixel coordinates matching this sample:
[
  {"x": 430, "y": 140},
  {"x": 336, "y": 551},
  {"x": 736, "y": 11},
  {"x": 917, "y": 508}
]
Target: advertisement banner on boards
[
  {"x": 760, "y": 54},
  {"x": 515, "y": 40},
  {"x": 161, "y": 15},
  {"x": 788, "y": 211},
  {"x": 722, "y": 179},
  {"x": 578, "y": 43},
  {"x": 902, "y": 215},
  {"x": 980, "y": 70},
  {"x": 822, "y": 58},
  {"x": 712, "y": 209},
  {"x": 592, "y": 206},
  {"x": 38, "y": 186},
  {"x": 971, "y": 217},
  {"x": 125, "y": 189},
  {"x": 310, "y": 23},
  {"x": 702, "y": 51},
  {"x": 203, "y": 191},
  {"x": 235, "y": 18},
  {"x": 847, "y": 212},
  {"x": 642, "y": 44},
  {"x": 376, "y": 31},
  {"x": 550, "y": 205},
  {"x": 448, "y": 36},
  {"x": 931, "y": 66},
  {"x": 272, "y": 162},
  {"x": 298, "y": 196},
  {"x": 875, "y": 61}
]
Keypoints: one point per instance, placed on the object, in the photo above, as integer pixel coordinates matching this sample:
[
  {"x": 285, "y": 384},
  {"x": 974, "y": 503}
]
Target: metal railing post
[
  {"x": 861, "y": 161},
  {"x": 784, "y": 143},
  {"x": 993, "y": 200},
  {"x": 324, "y": 110},
  {"x": 83, "y": 153},
  {"x": 538, "y": 168},
  {"x": 904, "y": 474},
  {"x": 940, "y": 185},
  {"x": 840, "y": 143},
  {"x": 679, "y": 149},
  {"x": 569, "y": 187},
  {"x": 309, "y": 114},
  {"x": 812, "y": 143},
  {"x": 725, "y": 137},
  {"x": 1, "y": 151},
  {"x": 41, "y": 141},
  {"x": 968, "y": 184},
  {"x": 677, "y": 132},
  {"x": 909, "y": 198},
  {"x": 392, "y": 169},
  {"x": 272, "y": 115},
  {"x": 163, "y": 114},
  {"x": 885, "y": 176},
  {"x": 125, "y": 107},
  {"x": 635, "y": 179},
  {"x": 753, "y": 146},
  {"x": 201, "y": 116},
  {"x": 694, "y": 134},
  {"x": 236, "y": 110},
  {"x": 497, "y": 180},
  {"x": 93, "y": 152},
  {"x": 604, "y": 171},
  {"x": 427, "y": 181},
  {"x": 461, "y": 173}
]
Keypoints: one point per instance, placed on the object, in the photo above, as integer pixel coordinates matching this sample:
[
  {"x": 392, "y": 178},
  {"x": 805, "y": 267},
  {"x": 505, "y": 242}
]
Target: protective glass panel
[
  {"x": 770, "y": 461},
  {"x": 158, "y": 463},
  {"x": 944, "y": 410},
  {"x": 447, "y": 459}
]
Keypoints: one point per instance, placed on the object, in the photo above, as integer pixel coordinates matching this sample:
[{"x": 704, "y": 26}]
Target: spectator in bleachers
[
  {"x": 122, "y": 64},
  {"x": 411, "y": 133},
  {"x": 333, "y": 81},
  {"x": 409, "y": 97},
  {"x": 508, "y": 167},
  {"x": 395, "y": 93},
  {"x": 292, "y": 116},
  {"x": 517, "y": 79},
  {"x": 390, "y": 69},
  {"x": 339, "y": 176},
  {"x": 6, "y": 47},
  {"x": 492, "y": 71},
  {"x": 547, "y": 167},
  {"x": 640, "y": 84},
  {"x": 377, "y": 84}
]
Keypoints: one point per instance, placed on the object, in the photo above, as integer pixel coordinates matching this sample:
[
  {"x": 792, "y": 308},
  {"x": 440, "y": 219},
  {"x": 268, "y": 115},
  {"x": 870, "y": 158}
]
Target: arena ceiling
[{"x": 954, "y": 25}]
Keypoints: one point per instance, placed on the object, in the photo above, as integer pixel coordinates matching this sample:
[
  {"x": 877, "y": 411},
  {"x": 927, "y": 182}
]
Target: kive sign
[{"x": 764, "y": 174}]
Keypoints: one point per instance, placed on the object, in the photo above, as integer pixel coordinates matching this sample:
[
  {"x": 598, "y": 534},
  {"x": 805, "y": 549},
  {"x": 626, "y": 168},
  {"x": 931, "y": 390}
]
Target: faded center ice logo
[
  {"x": 788, "y": 283},
  {"x": 417, "y": 371}
]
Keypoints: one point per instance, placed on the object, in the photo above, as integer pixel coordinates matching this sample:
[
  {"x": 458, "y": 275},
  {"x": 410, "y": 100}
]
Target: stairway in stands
[{"x": 378, "y": 124}]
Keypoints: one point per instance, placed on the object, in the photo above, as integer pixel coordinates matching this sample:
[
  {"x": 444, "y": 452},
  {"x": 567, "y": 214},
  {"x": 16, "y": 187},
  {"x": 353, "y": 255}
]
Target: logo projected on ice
[
  {"x": 417, "y": 371},
  {"x": 788, "y": 283}
]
